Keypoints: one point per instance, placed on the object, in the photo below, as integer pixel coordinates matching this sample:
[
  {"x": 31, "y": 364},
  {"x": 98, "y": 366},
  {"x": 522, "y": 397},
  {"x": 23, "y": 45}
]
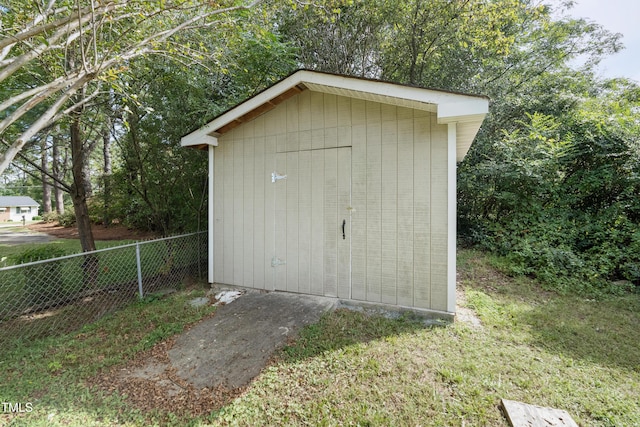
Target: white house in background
[
  {"x": 13, "y": 208},
  {"x": 339, "y": 186}
]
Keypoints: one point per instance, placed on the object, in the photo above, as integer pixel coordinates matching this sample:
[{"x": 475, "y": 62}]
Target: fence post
[
  {"x": 138, "y": 264},
  {"x": 199, "y": 256}
]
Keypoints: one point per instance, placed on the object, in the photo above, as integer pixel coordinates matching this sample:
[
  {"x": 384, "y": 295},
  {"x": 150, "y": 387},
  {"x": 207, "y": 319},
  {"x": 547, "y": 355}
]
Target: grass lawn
[
  {"x": 350, "y": 369},
  {"x": 70, "y": 246}
]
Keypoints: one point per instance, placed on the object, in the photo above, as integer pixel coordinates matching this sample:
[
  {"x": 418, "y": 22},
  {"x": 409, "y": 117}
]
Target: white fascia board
[
  {"x": 468, "y": 110},
  {"x": 199, "y": 137},
  {"x": 392, "y": 90},
  {"x": 468, "y": 115}
]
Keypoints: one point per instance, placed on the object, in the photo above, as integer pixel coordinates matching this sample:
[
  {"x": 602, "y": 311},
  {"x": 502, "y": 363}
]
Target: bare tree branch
[{"x": 80, "y": 28}]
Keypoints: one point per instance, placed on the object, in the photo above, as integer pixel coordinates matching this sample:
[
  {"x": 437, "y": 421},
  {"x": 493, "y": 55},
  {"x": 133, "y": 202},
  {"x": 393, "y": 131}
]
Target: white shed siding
[
  {"x": 397, "y": 170},
  {"x": 422, "y": 210},
  {"x": 405, "y": 207}
]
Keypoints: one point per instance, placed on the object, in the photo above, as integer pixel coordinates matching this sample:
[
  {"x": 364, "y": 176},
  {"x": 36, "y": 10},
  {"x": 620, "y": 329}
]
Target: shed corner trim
[{"x": 199, "y": 139}]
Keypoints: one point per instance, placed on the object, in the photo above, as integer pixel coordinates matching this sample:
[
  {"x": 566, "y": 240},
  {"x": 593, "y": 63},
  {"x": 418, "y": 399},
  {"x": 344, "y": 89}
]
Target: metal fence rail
[{"x": 59, "y": 295}]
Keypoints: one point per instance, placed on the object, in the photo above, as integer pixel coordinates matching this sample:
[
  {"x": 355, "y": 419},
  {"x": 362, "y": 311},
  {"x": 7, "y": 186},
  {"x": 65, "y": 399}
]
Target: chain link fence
[{"x": 59, "y": 295}]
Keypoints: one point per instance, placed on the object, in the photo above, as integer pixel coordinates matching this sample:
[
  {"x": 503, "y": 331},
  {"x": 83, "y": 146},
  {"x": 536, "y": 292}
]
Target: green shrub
[
  {"x": 39, "y": 253},
  {"x": 50, "y": 217},
  {"x": 43, "y": 282},
  {"x": 68, "y": 218}
]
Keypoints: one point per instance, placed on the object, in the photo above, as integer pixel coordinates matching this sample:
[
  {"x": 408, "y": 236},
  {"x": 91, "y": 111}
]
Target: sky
[{"x": 617, "y": 16}]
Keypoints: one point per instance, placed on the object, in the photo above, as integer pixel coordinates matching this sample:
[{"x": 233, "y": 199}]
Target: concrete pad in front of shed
[{"x": 232, "y": 347}]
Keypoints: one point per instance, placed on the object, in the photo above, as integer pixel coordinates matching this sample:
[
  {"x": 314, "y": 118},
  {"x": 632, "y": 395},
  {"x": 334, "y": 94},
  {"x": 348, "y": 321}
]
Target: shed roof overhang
[{"x": 467, "y": 111}]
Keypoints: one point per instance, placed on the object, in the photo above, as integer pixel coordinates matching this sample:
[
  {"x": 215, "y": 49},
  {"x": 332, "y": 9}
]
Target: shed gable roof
[
  {"x": 10, "y": 201},
  {"x": 468, "y": 111}
]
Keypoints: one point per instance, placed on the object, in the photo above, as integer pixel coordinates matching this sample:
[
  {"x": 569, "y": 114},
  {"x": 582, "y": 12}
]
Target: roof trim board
[{"x": 450, "y": 107}]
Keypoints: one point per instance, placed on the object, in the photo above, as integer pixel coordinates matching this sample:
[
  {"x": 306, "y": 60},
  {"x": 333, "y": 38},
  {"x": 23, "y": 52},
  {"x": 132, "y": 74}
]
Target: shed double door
[{"x": 313, "y": 222}]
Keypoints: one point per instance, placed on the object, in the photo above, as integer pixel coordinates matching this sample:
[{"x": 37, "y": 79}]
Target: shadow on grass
[
  {"x": 342, "y": 328},
  {"x": 601, "y": 331}
]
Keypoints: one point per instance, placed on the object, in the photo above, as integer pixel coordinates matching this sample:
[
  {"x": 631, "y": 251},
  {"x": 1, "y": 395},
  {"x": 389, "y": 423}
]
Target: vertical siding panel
[
  {"x": 343, "y": 105},
  {"x": 344, "y": 121},
  {"x": 279, "y": 116},
  {"x": 281, "y": 222},
  {"x": 374, "y": 205},
  {"x": 305, "y": 138},
  {"x": 228, "y": 251},
  {"x": 317, "y": 222},
  {"x": 304, "y": 220},
  {"x": 358, "y": 201},
  {"x": 291, "y": 105},
  {"x": 317, "y": 120},
  {"x": 344, "y": 136},
  {"x": 317, "y": 139},
  {"x": 439, "y": 214},
  {"x": 292, "y": 227},
  {"x": 269, "y": 211},
  {"x": 358, "y": 112},
  {"x": 389, "y": 200},
  {"x": 273, "y": 122},
  {"x": 304, "y": 114},
  {"x": 238, "y": 207},
  {"x": 317, "y": 110},
  {"x": 421, "y": 212},
  {"x": 344, "y": 241},
  {"x": 281, "y": 144},
  {"x": 304, "y": 120},
  {"x": 331, "y": 137},
  {"x": 330, "y": 222},
  {"x": 259, "y": 205},
  {"x": 247, "y": 208},
  {"x": 330, "y": 111},
  {"x": 219, "y": 197},
  {"x": 405, "y": 207},
  {"x": 293, "y": 142}
]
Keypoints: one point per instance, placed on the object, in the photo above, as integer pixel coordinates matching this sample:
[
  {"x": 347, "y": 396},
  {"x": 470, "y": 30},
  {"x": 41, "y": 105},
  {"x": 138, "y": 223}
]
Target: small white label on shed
[
  {"x": 275, "y": 261},
  {"x": 275, "y": 176}
]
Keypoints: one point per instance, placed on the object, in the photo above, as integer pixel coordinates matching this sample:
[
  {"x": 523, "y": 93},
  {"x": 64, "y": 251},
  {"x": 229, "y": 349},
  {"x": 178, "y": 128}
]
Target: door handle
[{"x": 344, "y": 223}]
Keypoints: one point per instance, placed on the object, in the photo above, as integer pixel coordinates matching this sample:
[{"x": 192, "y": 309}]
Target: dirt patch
[
  {"x": 100, "y": 232},
  {"x": 463, "y": 313},
  {"x": 150, "y": 383}
]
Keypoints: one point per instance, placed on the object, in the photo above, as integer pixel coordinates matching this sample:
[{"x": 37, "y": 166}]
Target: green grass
[
  {"x": 49, "y": 283},
  {"x": 534, "y": 346},
  {"x": 52, "y": 373}
]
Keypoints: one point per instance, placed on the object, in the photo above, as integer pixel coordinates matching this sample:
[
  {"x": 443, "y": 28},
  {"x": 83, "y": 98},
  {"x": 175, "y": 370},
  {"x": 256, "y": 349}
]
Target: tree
[
  {"x": 59, "y": 56},
  {"x": 171, "y": 99},
  {"x": 106, "y": 37},
  {"x": 558, "y": 195},
  {"x": 336, "y": 36},
  {"x": 549, "y": 179}
]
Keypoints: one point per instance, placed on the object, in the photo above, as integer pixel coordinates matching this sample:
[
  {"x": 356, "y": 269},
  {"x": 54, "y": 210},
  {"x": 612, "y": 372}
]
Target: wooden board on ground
[{"x": 524, "y": 415}]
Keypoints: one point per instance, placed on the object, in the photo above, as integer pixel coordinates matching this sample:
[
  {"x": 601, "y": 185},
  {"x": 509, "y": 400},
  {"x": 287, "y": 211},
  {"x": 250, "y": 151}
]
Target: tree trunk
[
  {"x": 46, "y": 187},
  {"x": 55, "y": 168},
  {"x": 78, "y": 194},
  {"x": 107, "y": 171}
]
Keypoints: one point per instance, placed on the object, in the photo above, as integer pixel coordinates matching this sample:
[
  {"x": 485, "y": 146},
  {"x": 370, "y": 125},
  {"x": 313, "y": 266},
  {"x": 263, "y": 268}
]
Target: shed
[
  {"x": 339, "y": 186},
  {"x": 13, "y": 208}
]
